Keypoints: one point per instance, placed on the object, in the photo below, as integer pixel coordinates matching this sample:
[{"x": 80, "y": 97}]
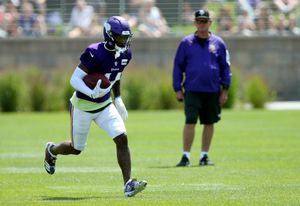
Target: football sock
[
  {"x": 187, "y": 154},
  {"x": 202, "y": 154}
]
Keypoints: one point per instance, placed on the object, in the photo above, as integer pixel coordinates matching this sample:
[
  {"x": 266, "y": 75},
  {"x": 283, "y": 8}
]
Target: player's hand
[
  {"x": 179, "y": 96},
  {"x": 98, "y": 92},
  {"x": 223, "y": 97},
  {"x": 121, "y": 108}
]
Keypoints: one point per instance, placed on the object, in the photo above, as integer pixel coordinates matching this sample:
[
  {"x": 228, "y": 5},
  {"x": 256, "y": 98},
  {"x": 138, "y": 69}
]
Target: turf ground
[{"x": 257, "y": 156}]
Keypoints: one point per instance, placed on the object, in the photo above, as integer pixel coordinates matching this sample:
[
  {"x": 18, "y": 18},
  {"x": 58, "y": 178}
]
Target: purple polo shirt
[
  {"x": 201, "y": 66},
  {"x": 97, "y": 59}
]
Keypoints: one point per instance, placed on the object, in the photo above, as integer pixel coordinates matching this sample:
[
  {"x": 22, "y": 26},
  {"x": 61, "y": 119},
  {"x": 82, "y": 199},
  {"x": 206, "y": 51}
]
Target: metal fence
[{"x": 147, "y": 17}]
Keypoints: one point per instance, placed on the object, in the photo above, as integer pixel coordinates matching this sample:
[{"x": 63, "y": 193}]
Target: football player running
[{"x": 110, "y": 58}]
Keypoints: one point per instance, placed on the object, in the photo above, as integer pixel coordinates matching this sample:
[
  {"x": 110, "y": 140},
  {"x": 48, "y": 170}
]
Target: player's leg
[
  {"x": 110, "y": 120},
  {"x": 191, "y": 108},
  {"x": 123, "y": 155},
  {"x": 80, "y": 125},
  {"x": 64, "y": 148}
]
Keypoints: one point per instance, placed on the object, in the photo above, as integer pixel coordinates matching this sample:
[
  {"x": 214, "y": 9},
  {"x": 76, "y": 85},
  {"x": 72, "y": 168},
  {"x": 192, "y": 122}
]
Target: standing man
[
  {"x": 201, "y": 78},
  {"x": 109, "y": 58}
]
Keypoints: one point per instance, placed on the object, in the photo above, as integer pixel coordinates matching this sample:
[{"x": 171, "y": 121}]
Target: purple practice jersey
[
  {"x": 97, "y": 59},
  {"x": 203, "y": 65}
]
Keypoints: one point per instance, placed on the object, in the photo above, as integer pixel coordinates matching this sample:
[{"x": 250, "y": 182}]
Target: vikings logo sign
[{"x": 212, "y": 48}]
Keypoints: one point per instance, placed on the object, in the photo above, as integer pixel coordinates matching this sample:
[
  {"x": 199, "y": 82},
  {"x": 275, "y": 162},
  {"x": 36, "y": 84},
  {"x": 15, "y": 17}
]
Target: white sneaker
[{"x": 132, "y": 187}]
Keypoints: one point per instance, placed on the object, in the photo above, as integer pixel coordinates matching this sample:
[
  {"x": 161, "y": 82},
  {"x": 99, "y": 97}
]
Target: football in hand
[{"x": 91, "y": 80}]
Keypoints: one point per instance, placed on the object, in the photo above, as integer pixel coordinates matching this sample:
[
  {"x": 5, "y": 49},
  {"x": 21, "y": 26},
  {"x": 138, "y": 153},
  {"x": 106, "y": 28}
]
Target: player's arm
[
  {"x": 117, "y": 89},
  {"x": 77, "y": 80},
  {"x": 78, "y": 84},
  {"x": 118, "y": 100}
]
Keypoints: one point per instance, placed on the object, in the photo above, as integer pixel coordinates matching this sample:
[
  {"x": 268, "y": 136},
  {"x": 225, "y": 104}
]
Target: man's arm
[
  {"x": 178, "y": 70},
  {"x": 225, "y": 76}
]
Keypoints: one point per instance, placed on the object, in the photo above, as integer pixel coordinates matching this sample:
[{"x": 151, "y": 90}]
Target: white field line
[
  {"x": 179, "y": 187},
  {"x": 19, "y": 155},
  {"x": 12, "y": 170},
  {"x": 194, "y": 187}
]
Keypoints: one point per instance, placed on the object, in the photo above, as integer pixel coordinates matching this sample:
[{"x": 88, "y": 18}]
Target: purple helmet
[{"x": 117, "y": 33}]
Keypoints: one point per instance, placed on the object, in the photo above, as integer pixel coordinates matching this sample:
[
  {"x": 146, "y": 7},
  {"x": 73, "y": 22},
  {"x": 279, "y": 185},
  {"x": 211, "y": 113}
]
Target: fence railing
[{"x": 148, "y": 18}]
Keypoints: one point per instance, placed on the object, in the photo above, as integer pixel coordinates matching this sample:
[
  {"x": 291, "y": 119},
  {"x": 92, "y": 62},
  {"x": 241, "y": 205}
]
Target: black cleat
[
  {"x": 184, "y": 162},
  {"x": 50, "y": 159},
  {"x": 204, "y": 161}
]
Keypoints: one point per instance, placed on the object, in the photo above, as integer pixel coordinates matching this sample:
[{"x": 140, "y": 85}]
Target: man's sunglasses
[{"x": 201, "y": 21}]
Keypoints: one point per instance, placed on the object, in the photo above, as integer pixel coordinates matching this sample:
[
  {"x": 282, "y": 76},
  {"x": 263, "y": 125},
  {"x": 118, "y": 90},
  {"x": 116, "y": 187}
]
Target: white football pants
[{"x": 108, "y": 119}]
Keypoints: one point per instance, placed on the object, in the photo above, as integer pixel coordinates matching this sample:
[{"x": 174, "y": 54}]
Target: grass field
[{"x": 257, "y": 156}]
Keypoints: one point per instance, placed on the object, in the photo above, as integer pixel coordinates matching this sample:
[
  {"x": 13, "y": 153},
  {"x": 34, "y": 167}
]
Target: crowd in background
[
  {"x": 256, "y": 16},
  {"x": 33, "y": 18}
]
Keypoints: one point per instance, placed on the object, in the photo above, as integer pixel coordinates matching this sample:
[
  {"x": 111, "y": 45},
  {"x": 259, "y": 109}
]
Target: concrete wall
[{"x": 276, "y": 58}]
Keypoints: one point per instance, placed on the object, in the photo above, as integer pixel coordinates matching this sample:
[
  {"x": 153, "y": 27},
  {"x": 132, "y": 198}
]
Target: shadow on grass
[
  {"x": 49, "y": 198},
  {"x": 173, "y": 166}
]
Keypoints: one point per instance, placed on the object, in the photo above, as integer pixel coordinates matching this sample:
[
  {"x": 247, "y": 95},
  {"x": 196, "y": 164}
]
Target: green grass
[{"x": 256, "y": 153}]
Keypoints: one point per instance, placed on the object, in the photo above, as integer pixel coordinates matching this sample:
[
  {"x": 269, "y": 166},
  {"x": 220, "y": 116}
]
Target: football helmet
[{"x": 117, "y": 34}]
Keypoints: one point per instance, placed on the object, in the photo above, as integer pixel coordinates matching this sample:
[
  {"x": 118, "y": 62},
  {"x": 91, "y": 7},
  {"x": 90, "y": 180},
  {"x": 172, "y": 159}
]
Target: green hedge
[
  {"x": 257, "y": 91},
  {"x": 9, "y": 92},
  {"x": 37, "y": 90},
  {"x": 234, "y": 89}
]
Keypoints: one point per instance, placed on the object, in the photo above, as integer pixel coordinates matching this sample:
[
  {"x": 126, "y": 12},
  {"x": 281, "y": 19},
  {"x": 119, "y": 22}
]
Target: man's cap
[{"x": 202, "y": 14}]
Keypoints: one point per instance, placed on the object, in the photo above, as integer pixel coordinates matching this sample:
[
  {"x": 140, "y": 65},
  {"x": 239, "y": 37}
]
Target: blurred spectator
[
  {"x": 9, "y": 19},
  {"x": 2, "y": 21},
  {"x": 100, "y": 12},
  {"x": 286, "y": 18},
  {"x": 246, "y": 24},
  {"x": 132, "y": 13},
  {"x": 292, "y": 26},
  {"x": 54, "y": 22},
  {"x": 54, "y": 18},
  {"x": 282, "y": 25},
  {"x": 81, "y": 19},
  {"x": 39, "y": 6},
  {"x": 30, "y": 24},
  {"x": 224, "y": 21},
  {"x": 287, "y": 26},
  {"x": 187, "y": 17},
  {"x": 247, "y": 5},
  {"x": 96, "y": 29},
  {"x": 285, "y": 6},
  {"x": 153, "y": 24},
  {"x": 264, "y": 21}
]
